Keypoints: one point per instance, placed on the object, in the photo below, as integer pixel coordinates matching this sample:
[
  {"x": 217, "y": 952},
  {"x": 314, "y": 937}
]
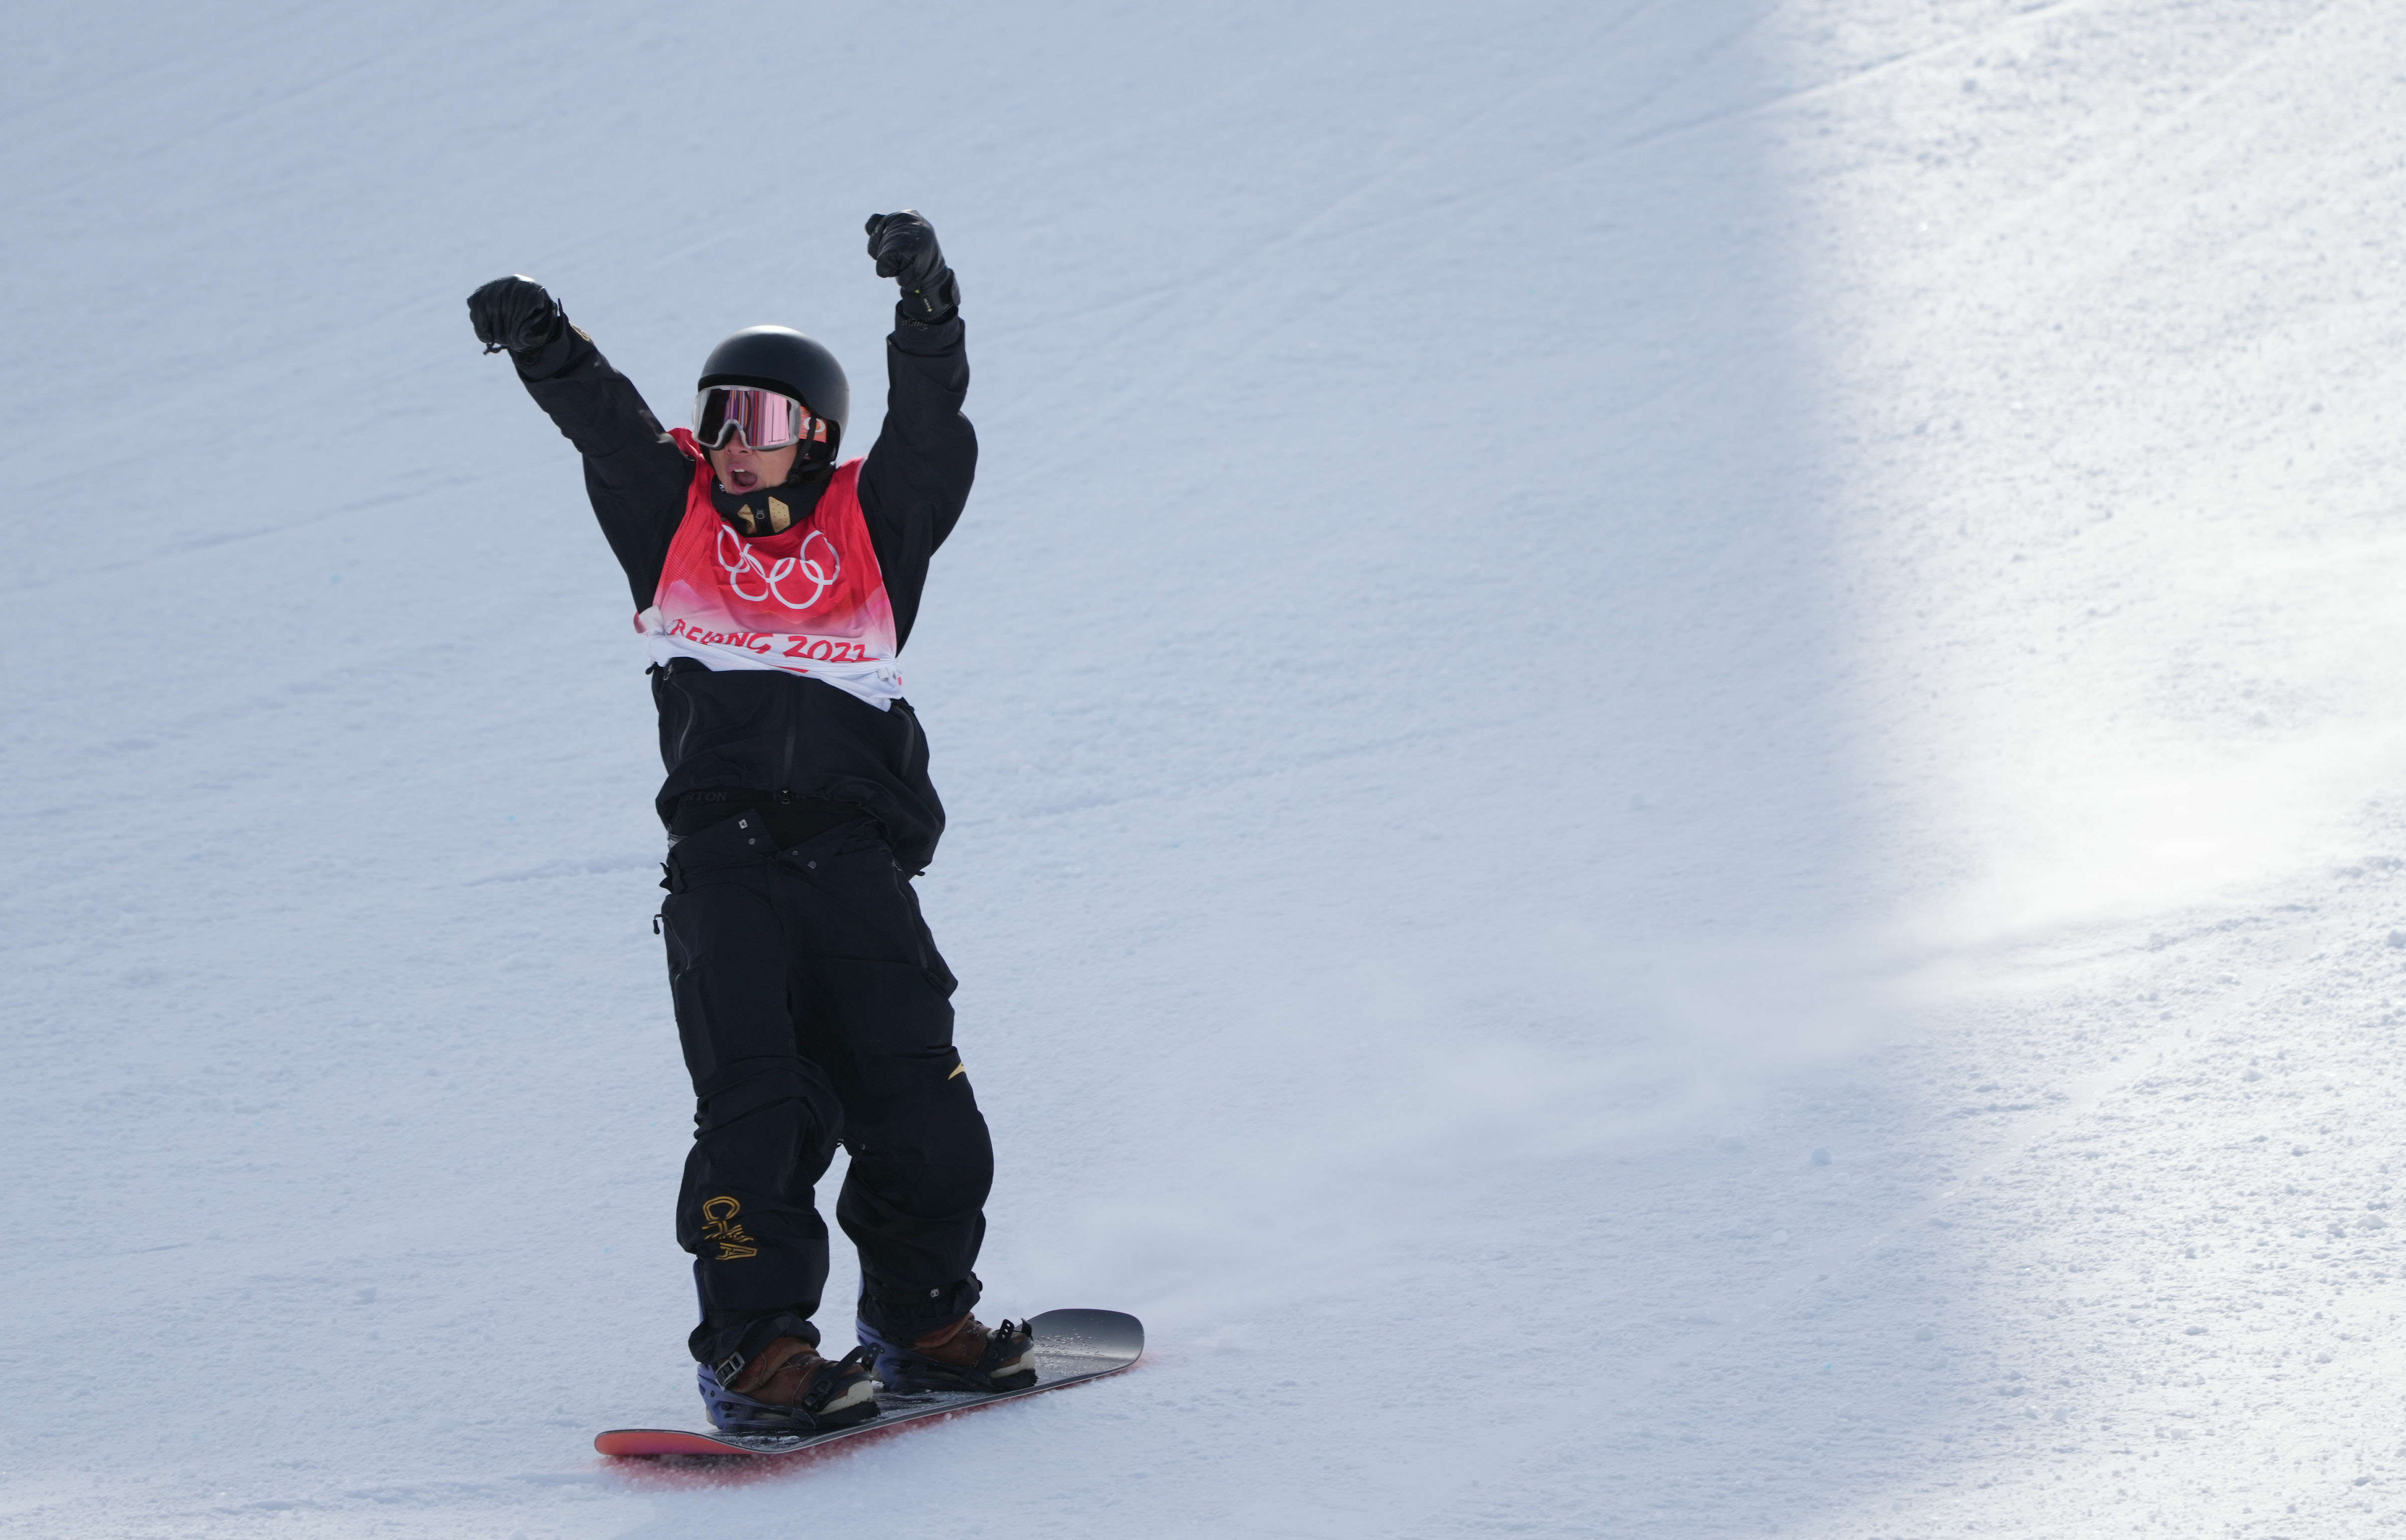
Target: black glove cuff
[
  {"x": 548, "y": 358},
  {"x": 925, "y": 339},
  {"x": 930, "y": 306}
]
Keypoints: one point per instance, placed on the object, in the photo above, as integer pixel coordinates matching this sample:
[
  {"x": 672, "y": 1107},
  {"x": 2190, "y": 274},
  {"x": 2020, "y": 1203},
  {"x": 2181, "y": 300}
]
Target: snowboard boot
[
  {"x": 788, "y": 1388},
  {"x": 963, "y": 1355}
]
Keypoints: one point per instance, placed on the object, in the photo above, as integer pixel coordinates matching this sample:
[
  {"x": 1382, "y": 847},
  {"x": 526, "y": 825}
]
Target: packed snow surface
[{"x": 1677, "y": 736}]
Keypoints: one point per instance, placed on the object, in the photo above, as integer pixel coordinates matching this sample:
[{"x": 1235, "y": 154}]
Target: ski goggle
[{"x": 766, "y": 419}]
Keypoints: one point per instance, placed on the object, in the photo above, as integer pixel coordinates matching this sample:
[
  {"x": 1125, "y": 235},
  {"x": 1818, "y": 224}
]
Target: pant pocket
[
  {"x": 931, "y": 962},
  {"x": 883, "y": 1009}
]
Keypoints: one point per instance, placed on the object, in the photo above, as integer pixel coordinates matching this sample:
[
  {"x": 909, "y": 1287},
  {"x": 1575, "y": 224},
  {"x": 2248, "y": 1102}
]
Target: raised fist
[
  {"x": 514, "y": 313},
  {"x": 905, "y": 247}
]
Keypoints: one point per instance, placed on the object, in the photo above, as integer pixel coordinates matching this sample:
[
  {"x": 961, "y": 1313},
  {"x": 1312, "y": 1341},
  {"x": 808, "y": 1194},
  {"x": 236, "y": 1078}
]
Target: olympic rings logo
[{"x": 822, "y": 568}]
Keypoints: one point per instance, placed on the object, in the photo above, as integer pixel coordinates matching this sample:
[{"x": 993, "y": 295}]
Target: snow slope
[{"x": 1673, "y": 734}]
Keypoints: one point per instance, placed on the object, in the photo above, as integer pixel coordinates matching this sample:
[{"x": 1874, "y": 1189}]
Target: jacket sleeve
[
  {"x": 917, "y": 477},
  {"x": 634, "y": 474}
]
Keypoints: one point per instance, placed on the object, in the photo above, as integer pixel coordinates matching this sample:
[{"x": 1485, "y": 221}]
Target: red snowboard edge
[{"x": 638, "y": 1441}]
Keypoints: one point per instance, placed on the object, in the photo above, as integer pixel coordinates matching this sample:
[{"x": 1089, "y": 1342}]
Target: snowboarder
[{"x": 775, "y": 586}]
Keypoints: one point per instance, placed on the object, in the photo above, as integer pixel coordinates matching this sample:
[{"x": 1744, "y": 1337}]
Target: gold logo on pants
[{"x": 718, "y": 1216}]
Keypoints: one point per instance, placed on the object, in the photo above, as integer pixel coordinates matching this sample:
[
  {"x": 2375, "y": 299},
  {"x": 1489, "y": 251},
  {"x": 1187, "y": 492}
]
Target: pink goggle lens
[{"x": 765, "y": 418}]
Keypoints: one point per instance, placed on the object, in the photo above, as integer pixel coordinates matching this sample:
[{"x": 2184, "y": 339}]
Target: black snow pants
[{"x": 814, "y": 1009}]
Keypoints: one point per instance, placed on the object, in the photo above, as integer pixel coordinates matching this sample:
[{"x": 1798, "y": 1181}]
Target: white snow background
[{"x": 1674, "y": 733}]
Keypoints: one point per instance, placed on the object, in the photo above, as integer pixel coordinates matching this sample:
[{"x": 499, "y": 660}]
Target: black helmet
[{"x": 778, "y": 357}]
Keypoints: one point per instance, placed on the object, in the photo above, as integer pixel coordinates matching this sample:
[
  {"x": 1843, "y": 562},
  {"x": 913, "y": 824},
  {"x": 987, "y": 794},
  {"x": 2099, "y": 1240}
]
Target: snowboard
[{"x": 1071, "y": 1347}]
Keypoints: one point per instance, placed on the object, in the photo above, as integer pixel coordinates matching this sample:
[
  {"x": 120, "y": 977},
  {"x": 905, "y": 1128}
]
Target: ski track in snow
[{"x": 1672, "y": 730}]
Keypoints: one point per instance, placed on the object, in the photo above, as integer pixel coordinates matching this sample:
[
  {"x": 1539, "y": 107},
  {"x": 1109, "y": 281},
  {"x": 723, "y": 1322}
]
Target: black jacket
[{"x": 760, "y": 729}]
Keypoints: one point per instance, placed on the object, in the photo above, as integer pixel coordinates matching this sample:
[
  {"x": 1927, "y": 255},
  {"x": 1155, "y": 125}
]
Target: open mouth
[{"x": 741, "y": 481}]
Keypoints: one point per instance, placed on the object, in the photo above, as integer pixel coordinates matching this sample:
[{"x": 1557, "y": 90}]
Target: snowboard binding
[
  {"x": 963, "y": 1355},
  {"x": 838, "y": 1395}
]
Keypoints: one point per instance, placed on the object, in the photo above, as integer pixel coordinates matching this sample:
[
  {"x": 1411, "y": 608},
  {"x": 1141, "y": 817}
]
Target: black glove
[
  {"x": 905, "y": 247},
  {"x": 514, "y": 313}
]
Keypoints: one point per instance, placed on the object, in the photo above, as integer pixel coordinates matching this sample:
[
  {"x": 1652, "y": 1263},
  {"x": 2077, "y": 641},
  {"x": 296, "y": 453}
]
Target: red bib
[{"x": 809, "y": 599}]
